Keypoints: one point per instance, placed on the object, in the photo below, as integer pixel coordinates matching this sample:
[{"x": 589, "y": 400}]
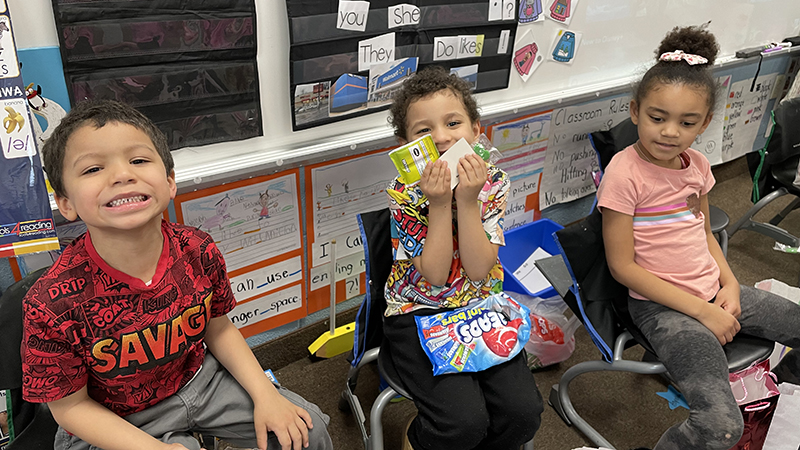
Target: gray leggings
[{"x": 697, "y": 363}]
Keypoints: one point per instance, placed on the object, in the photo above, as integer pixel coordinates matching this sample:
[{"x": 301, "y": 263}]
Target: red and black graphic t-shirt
[{"x": 131, "y": 344}]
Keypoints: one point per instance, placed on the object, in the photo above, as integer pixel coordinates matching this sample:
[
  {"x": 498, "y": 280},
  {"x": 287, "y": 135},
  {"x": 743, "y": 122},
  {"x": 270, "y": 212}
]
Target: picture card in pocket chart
[
  {"x": 336, "y": 192},
  {"x": 523, "y": 144},
  {"x": 561, "y": 10},
  {"x": 571, "y": 159},
  {"x": 528, "y": 56},
  {"x": 565, "y": 46}
]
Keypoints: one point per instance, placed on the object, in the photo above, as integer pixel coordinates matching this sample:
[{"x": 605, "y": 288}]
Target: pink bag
[{"x": 756, "y": 393}]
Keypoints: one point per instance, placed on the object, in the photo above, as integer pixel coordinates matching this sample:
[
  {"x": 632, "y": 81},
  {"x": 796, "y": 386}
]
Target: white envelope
[{"x": 452, "y": 155}]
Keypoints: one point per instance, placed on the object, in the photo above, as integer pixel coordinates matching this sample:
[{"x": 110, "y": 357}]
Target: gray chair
[
  {"x": 581, "y": 276},
  {"x": 369, "y": 345},
  {"x": 773, "y": 169}
]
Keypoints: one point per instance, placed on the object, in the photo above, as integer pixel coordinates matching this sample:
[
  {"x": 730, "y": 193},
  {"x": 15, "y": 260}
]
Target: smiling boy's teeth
[{"x": 122, "y": 201}]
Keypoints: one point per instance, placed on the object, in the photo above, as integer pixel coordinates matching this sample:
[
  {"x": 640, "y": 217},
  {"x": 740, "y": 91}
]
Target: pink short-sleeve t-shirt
[{"x": 669, "y": 236}]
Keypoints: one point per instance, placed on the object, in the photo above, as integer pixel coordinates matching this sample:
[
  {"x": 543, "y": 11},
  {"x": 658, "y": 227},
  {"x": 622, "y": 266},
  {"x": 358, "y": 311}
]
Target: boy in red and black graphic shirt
[{"x": 115, "y": 333}]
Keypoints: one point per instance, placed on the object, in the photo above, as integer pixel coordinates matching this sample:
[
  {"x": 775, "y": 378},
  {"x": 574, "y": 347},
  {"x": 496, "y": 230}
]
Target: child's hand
[
  {"x": 471, "y": 178},
  {"x": 289, "y": 422},
  {"x": 720, "y": 322},
  {"x": 435, "y": 184},
  {"x": 728, "y": 299}
]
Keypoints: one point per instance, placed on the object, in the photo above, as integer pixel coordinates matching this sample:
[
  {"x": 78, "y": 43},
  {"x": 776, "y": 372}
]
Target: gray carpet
[{"x": 622, "y": 407}]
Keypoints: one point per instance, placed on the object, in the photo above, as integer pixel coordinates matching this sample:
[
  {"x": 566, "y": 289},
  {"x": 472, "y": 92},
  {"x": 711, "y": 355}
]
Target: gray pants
[
  {"x": 697, "y": 363},
  {"x": 212, "y": 403}
]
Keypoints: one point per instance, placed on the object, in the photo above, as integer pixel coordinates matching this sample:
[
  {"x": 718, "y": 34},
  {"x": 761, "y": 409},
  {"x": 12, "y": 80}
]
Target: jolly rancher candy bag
[{"x": 475, "y": 337}]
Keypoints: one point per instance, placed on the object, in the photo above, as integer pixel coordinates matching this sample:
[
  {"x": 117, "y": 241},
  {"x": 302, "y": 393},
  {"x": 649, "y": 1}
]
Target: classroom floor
[{"x": 622, "y": 407}]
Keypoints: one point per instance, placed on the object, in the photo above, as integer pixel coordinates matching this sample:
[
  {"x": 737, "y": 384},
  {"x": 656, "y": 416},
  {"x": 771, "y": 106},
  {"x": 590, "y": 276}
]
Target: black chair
[
  {"x": 369, "y": 344},
  {"x": 31, "y": 425},
  {"x": 607, "y": 143},
  {"x": 582, "y": 277},
  {"x": 773, "y": 169}
]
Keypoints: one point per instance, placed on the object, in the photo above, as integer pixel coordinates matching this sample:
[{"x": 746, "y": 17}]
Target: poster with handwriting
[
  {"x": 335, "y": 192},
  {"x": 710, "y": 142},
  {"x": 744, "y": 111},
  {"x": 523, "y": 143},
  {"x": 570, "y": 158},
  {"x": 255, "y": 224}
]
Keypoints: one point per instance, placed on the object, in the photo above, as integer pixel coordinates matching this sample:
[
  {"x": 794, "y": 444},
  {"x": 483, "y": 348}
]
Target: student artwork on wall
[
  {"x": 26, "y": 221},
  {"x": 523, "y": 143},
  {"x": 571, "y": 159},
  {"x": 189, "y": 66},
  {"x": 336, "y": 192},
  {"x": 255, "y": 224},
  {"x": 364, "y": 50}
]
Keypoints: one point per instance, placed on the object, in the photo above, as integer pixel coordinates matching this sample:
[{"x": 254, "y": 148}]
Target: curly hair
[
  {"x": 97, "y": 114},
  {"x": 424, "y": 83},
  {"x": 693, "y": 40}
]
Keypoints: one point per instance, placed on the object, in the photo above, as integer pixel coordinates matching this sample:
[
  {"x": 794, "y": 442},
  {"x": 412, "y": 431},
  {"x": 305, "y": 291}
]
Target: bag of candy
[{"x": 475, "y": 337}]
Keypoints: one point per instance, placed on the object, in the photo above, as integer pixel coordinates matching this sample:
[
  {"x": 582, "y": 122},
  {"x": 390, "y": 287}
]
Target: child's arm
[
  {"x": 99, "y": 426},
  {"x": 437, "y": 253},
  {"x": 272, "y": 412},
  {"x": 618, "y": 240},
  {"x": 478, "y": 254},
  {"x": 728, "y": 295}
]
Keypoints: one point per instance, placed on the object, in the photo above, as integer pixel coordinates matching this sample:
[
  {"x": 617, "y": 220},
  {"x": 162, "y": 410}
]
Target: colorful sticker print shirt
[
  {"x": 406, "y": 289},
  {"x": 131, "y": 344},
  {"x": 669, "y": 235}
]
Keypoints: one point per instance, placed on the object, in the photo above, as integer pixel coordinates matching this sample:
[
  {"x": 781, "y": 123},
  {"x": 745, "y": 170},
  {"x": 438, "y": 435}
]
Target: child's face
[
  {"x": 114, "y": 178},
  {"x": 443, "y": 116},
  {"x": 669, "y": 118}
]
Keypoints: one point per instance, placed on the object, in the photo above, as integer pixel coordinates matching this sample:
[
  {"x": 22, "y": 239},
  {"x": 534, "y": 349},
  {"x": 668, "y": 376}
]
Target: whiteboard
[{"x": 618, "y": 40}]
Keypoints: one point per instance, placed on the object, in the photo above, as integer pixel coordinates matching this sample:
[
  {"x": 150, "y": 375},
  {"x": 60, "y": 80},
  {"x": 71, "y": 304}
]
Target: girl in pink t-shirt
[{"x": 658, "y": 240}]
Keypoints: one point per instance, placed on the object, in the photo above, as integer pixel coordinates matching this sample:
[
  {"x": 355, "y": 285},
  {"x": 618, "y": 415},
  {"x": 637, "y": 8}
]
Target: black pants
[{"x": 495, "y": 409}]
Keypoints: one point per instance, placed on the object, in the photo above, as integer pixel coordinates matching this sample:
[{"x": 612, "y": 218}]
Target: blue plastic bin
[{"x": 521, "y": 242}]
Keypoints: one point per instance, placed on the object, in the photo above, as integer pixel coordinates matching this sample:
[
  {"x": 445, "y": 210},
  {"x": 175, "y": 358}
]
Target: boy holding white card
[{"x": 446, "y": 257}]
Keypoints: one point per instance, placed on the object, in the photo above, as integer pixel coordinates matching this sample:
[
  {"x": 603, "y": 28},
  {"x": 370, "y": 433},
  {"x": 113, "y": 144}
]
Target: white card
[
  {"x": 452, "y": 155},
  {"x": 495, "y": 10},
  {"x": 445, "y": 48},
  {"x": 378, "y": 50},
  {"x": 509, "y": 9},
  {"x": 529, "y": 275},
  {"x": 352, "y": 15},
  {"x": 403, "y": 14},
  {"x": 502, "y": 47}
]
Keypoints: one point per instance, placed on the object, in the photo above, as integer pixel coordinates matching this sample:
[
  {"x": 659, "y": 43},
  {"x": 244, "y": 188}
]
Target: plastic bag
[
  {"x": 784, "y": 434},
  {"x": 475, "y": 337},
  {"x": 552, "y": 337}
]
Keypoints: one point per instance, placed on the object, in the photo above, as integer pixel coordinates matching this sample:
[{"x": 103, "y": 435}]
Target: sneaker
[{"x": 406, "y": 444}]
